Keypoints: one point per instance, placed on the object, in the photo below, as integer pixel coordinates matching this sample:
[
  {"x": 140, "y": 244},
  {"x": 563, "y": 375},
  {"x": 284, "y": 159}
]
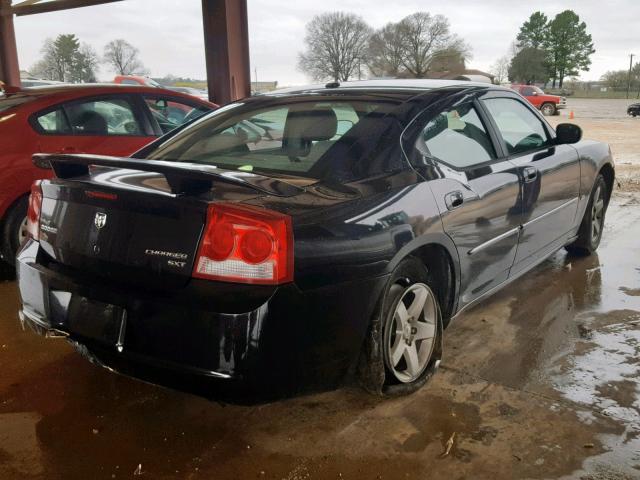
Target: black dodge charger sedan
[{"x": 290, "y": 241}]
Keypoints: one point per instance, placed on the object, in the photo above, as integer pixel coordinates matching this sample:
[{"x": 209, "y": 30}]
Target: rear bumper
[{"x": 285, "y": 341}]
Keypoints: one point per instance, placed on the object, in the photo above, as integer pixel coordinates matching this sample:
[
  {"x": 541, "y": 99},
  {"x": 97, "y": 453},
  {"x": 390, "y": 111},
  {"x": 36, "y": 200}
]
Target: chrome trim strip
[
  {"x": 490, "y": 242},
  {"x": 550, "y": 212}
]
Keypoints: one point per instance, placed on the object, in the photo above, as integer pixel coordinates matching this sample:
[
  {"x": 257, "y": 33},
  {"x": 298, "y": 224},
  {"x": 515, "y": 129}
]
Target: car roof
[
  {"x": 407, "y": 85},
  {"x": 86, "y": 89},
  {"x": 81, "y": 87}
]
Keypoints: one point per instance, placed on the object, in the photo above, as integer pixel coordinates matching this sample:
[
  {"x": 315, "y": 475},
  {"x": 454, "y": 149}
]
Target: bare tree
[
  {"x": 123, "y": 57},
  {"x": 386, "y": 51},
  {"x": 500, "y": 69},
  {"x": 336, "y": 46},
  {"x": 424, "y": 38}
]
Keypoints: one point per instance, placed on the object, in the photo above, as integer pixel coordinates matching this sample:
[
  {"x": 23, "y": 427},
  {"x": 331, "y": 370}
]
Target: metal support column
[
  {"x": 9, "y": 68},
  {"x": 226, "y": 44}
]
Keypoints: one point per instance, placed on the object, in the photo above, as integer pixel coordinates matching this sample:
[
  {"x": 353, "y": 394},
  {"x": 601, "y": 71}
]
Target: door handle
[
  {"x": 530, "y": 174},
  {"x": 453, "y": 199}
]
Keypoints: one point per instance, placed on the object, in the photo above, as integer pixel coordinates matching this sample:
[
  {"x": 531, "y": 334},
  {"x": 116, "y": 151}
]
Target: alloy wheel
[
  {"x": 597, "y": 214},
  {"x": 410, "y": 335},
  {"x": 548, "y": 110}
]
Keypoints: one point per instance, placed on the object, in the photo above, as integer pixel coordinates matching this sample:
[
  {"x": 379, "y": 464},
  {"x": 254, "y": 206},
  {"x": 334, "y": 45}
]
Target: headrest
[
  {"x": 306, "y": 126},
  {"x": 92, "y": 123}
]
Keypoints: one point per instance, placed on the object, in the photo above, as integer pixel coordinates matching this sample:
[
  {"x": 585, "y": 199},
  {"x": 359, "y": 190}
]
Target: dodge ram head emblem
[{"x": 100, "y": 220}]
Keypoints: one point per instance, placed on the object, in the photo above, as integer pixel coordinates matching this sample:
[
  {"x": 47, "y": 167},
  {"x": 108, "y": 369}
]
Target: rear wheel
[
  {"x": 404, "y": 346},
  {"x": 548, "y": 109},
  {"x": 14, "y": 230},
  {"x": 590, "y": 232}
]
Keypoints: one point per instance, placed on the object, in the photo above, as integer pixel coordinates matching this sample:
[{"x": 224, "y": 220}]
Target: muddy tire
[
  {"x": 548, "y": 109},
  {"x": 13, "y": 230},
  {"x": 404, "y": 344},
  {"x": 590, "y": 232}
]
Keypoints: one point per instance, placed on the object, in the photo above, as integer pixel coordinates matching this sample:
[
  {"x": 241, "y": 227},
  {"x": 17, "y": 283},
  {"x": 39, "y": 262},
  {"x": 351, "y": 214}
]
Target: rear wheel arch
[
  {"x": 608, "y": 174},
  {"x": 7, "y": 223},
  {"x": 441, "y": 260},
  {"x": 440, "y": 267}
]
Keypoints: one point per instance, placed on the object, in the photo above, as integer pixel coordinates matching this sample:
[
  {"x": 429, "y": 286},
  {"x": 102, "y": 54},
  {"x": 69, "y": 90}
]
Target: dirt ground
[
  {"x": 607, "y": 121},
  {"x": 540, "y": 381}
]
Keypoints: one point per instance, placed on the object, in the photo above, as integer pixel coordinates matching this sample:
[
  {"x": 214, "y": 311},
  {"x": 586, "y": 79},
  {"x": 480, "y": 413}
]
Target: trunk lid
[{"x": 135, "y": 221}]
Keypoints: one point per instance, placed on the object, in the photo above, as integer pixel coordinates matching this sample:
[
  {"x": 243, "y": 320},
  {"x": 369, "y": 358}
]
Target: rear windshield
[
  {"x": 13, "y": 101},
  {"x": 293, "y": 138}
]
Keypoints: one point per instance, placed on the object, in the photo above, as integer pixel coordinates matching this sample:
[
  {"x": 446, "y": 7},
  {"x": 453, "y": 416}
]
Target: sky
[{"x": 169, "y": 33}]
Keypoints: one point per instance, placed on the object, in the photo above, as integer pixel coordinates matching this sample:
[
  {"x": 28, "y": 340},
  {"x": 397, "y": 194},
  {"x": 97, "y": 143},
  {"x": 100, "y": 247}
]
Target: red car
[
  {"x": 547, "y": 104},
  {"x": 99, "y": 119},
  {"x": 136, "y": 80}
]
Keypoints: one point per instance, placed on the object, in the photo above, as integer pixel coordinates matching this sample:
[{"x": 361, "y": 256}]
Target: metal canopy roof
[
  {"x": 30, "y": 7},
  {"x": 226, "y": 42}
]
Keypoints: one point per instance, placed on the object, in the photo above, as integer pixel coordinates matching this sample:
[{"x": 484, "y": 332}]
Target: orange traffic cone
[{"x": 571, "y": 116}]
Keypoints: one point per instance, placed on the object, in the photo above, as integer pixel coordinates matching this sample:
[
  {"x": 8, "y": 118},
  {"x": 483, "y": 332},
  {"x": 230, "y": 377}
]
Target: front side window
[
  {"x": 293, "y": 138},
  {"x": 170, "y": 113},
  {"x": 457, "y": 137},
  {"x": 103, "y": 118},
  {"x": 521, "y": 130}
]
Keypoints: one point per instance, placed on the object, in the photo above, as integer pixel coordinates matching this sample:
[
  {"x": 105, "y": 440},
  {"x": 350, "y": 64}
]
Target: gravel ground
[{"x": 607, "y": 121}]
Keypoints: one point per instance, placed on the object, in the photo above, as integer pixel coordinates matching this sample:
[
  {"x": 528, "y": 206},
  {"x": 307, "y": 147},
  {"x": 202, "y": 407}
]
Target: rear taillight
[
  {"x": 246, "y": 245},
  {"x": 33, "y": 213}
]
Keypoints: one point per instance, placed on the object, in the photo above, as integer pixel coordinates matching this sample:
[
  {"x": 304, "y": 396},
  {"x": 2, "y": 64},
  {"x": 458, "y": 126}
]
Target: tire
[
  {"x": 12, "y": 234},
  {"x": 590, "y": 232},
  {"x": 548, "y": 109},
  {"x": 403, "y": 350}
]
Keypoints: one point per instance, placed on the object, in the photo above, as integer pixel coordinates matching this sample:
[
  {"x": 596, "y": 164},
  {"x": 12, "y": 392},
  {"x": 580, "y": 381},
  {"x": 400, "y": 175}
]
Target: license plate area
[{"x": 95, "y": 320}]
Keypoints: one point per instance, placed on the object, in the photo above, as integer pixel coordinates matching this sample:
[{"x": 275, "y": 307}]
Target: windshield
[{"x": 299, "y": 137}]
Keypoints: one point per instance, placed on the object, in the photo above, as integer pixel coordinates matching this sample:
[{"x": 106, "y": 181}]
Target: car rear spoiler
[{"x": 183, "y": 178}]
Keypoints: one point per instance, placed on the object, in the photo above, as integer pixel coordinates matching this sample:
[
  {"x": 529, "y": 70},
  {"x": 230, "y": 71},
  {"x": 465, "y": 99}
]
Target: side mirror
[
  {"x": 535, "y": 94},
  {"x": 567, "y": 133}
]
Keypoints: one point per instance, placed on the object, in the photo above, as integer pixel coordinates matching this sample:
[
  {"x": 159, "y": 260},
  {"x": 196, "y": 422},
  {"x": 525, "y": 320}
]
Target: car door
[
  {"x": 476, "y": 191},
  {"x": 549, "y": 176},
  {"x": 105, "y": 125},
  {"x": 531, "y": 95}
]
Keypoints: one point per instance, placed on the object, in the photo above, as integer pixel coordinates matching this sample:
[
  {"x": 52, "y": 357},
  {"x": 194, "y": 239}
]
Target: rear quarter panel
[
  {"x": 360, "y": 230},
  {"x": 17, "y": 173}
]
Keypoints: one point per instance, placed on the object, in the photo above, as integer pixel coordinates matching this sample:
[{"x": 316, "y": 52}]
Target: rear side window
[
  {"x": 54, "y": 122},
  {"x": 295, "y": 138},
  {"x": 103, "y": 117},
  {"x": 521, "y": 130},
  {"x": 457, "y": 137}
]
